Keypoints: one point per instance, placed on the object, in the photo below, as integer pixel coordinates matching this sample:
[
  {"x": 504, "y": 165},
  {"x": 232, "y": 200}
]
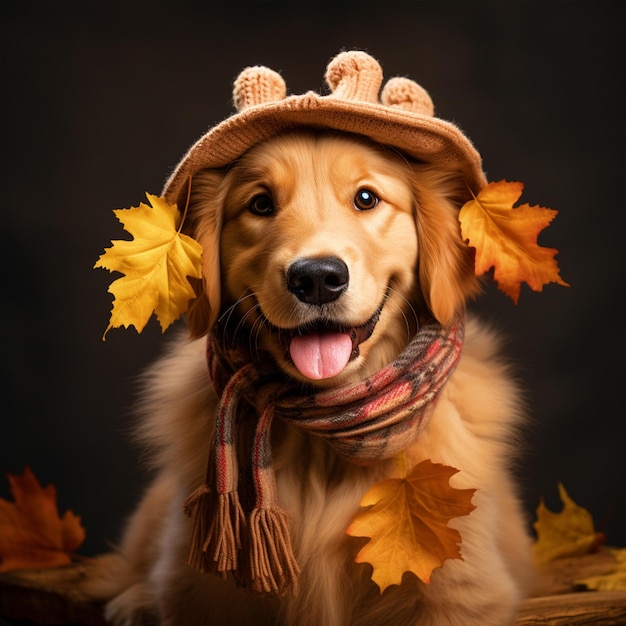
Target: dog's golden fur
[{"x": 405, "y": 253}]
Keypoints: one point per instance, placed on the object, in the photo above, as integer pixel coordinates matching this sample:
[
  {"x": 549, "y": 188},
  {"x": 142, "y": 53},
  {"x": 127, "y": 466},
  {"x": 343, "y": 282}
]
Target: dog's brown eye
[
  {"x": 262, "y": 205},
  {"x": 365, "y": 200}
]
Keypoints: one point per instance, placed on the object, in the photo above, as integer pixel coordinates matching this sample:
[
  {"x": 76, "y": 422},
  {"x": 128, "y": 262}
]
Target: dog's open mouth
[{"x": 323, "y": 349}]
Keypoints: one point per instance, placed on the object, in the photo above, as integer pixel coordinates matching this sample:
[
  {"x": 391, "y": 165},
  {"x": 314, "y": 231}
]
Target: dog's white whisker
[
  {"x": 231, "y": 309},
  {"x": 410, "y": 308},
  {"x": 241, "y": 325}
]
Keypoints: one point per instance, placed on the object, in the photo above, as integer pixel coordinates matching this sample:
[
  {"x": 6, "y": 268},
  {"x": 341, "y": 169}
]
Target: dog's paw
[{"x": 133, "y": 607}]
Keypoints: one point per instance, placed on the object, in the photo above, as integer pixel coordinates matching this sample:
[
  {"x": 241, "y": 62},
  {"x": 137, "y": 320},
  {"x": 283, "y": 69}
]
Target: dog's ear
[
  {"x": 445, "y": 262},
  {"x": 204, "y": 224}
]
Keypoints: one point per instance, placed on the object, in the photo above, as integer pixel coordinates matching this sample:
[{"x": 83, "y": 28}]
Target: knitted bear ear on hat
[
  {"x": 403, "y": 93},
  {"x": 354, "y": 76},
  {"x": 258, "y": 85}
]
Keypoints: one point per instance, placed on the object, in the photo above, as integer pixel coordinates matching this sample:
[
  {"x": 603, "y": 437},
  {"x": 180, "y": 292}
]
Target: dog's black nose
[{"x": 318, "y": 280}]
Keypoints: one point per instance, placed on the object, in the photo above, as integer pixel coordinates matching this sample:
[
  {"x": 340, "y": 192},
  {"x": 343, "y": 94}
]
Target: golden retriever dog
[{"x": 324, "y": 253}]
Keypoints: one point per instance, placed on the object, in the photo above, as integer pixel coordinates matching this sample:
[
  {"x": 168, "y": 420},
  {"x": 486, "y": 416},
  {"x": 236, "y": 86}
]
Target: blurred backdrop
[{"x": 103, "y": 98}]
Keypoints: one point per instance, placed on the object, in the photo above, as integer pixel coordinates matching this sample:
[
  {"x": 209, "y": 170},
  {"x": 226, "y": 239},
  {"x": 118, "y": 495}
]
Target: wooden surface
[
  {"x": 53, "y": 596},
  {"x": 48, "y": 596},
  {"x": 570, "y": 609}
]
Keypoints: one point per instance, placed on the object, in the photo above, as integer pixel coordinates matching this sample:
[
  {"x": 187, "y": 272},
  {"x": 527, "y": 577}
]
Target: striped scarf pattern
[{"x": 365, "y": 422}]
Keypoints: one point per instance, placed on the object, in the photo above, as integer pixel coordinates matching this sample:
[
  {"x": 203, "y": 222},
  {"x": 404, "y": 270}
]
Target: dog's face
[{"x": 327, "y": 253}]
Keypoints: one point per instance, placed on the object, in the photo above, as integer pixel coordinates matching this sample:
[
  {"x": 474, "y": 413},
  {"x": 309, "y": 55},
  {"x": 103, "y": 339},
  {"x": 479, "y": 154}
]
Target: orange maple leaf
[
  {"x": 32, "y": 534},
  {"x": 407, "y": 523},
  {"x": 505, "y": 238}
]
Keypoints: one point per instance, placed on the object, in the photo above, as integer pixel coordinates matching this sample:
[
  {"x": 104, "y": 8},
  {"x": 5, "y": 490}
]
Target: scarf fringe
[
  {"x": 216, "y": 535},
  {"x": 272, "y": 563}
]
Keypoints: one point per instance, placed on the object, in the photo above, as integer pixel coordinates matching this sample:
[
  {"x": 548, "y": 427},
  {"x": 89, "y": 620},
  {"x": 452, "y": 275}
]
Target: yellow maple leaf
[
  {"x": 407, "y": 523},
  {"x": 32, "y": 534},
  {"x": 155, "y": 264},
  {"x": 505, "y": 238},
  {"x": 613, "y": 580},
  {"x": 568, "y": 533}
]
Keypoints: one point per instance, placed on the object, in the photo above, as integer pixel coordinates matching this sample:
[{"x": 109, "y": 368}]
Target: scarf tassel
[
  {"x": 273, "y": 567},
  {"x": 216, "y": 535}
]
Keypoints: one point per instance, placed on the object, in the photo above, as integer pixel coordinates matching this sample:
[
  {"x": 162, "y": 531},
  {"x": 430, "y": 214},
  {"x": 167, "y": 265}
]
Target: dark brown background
[{"x": 102, "y": 98}]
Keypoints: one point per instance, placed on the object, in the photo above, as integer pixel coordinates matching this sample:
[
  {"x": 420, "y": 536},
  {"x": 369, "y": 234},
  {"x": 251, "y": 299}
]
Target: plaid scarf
[{"x": 364, "y": 422}]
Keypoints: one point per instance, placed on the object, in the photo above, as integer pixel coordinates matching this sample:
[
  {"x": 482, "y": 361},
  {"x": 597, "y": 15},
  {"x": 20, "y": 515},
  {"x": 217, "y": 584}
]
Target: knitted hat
[{"x": 402, "y": 118}]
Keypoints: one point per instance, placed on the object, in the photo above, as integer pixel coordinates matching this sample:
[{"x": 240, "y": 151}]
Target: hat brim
[{"x": 422, "y": 137}]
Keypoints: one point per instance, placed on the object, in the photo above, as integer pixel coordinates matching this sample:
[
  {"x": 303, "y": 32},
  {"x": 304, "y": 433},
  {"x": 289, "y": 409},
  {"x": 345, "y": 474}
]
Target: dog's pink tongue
[{"x": 320, "y": 355}]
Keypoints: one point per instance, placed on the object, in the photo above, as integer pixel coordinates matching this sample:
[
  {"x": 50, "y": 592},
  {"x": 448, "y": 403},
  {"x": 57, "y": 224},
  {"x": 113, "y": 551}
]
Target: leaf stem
[
  {"x": 182, "y": 219},
  {"x": 402, "y": 464}
]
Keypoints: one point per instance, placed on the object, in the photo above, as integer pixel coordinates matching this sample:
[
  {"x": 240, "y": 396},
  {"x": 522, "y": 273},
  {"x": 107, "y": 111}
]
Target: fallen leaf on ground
[
  {"x": 568, "y": 533},
  {"x": 32, "y": 534},
  {"x": 614, "y": 580}
]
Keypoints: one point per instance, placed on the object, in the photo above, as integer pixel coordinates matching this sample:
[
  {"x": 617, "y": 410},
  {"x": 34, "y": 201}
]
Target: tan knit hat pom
[
  {"x": 406, "y": 94},
  {"x": 258, "y": 85},
  {"x": 354, "y": 75}
]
